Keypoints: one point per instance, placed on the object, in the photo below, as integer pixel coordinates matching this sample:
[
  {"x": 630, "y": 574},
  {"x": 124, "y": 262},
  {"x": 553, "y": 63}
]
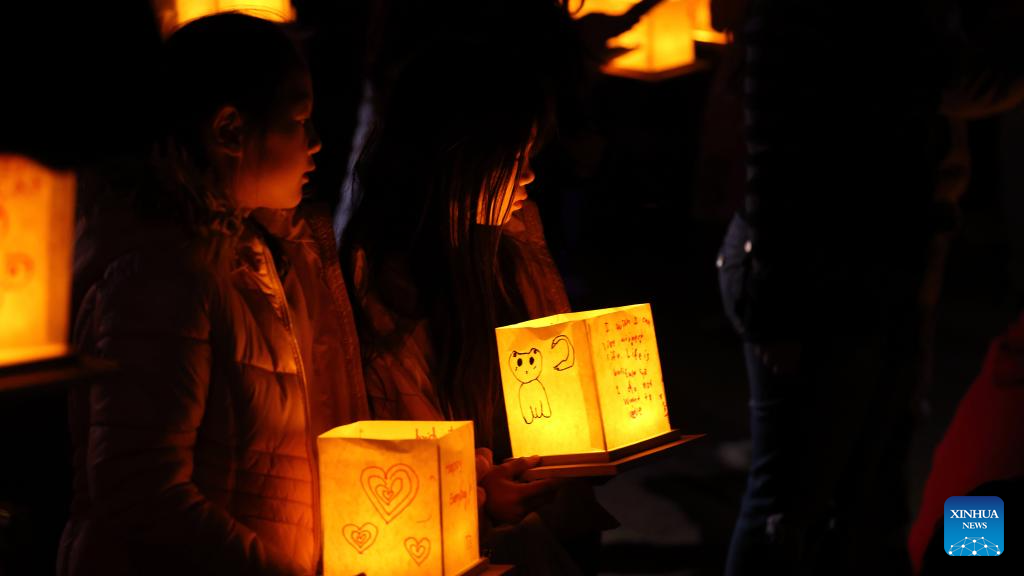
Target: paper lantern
[
  {"x": 399, "y": 498},
  {"x": 700, "y": 17},
  {"x": 662, "y": 41},
  {"x": 174, "y": 14},
  {"x": 585, "y": 387},
  {"x": 37, "y": 207}
]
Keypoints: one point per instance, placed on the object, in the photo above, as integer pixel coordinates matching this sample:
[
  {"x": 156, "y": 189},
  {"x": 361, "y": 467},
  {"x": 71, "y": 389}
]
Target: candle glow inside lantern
[
  {"x": 36, "y": 228},
  {"x": 661, "y": 41},
  {"x": 399, "y": 497},
  {"x": 585, "y": 386}
]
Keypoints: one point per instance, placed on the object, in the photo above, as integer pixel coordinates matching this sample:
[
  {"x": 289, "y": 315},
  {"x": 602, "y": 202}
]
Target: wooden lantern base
[
  {"x": 605, "y": 456},
  {"x": 607, "y": 463},
  {"x": 654, "y": 77},
  {"x": 41, "y": 374},
  {"x": 483, "y": 567}
]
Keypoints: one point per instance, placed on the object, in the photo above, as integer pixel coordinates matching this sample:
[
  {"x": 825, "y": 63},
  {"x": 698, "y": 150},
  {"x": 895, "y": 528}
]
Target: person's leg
[{"x": 766, "y": 537}]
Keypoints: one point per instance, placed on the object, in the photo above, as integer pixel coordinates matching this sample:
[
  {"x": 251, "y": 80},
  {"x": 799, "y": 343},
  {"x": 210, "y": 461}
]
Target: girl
[
  {"x": 446, "y": 246},
  {"x": 230, "y": 328}
]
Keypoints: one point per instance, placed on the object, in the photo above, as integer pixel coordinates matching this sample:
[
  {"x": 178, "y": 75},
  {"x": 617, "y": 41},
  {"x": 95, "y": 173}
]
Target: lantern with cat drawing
[{"x": 583, "y": 387}]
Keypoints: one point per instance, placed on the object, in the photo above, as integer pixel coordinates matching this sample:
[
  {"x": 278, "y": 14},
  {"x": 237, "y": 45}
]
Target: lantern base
[
  {"x": 645, "y": 76},
  {"x": 49, "y": 372},
  {"x": 483, "y": 567},
  {"x": 648, "y": 448},
  {"x": 604, "y": 456},
  {"x": 497, "y": 569}
]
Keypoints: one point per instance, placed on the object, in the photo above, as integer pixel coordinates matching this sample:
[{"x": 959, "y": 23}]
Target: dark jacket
[
  {"x": 839, "y": 105},
  {"x": 200, "y": 455}
]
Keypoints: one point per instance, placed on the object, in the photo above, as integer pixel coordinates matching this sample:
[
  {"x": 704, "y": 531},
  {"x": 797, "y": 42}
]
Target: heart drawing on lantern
[
  {"x": 417, "y": 549},
  {"x": 392, "y": 491},
  {"x": 16, "y": 269},
  {"x": 360, "y": 537}
]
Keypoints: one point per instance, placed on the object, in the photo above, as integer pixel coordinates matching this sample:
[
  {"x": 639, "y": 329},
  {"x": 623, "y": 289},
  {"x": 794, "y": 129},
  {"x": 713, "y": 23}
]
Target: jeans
[
  {"x": 771, "y": 532},
  {"x": 829, "y": 442}
]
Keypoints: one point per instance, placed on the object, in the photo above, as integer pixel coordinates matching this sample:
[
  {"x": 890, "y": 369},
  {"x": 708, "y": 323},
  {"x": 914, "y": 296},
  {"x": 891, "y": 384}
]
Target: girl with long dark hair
[{"x": 445, "y": 245}]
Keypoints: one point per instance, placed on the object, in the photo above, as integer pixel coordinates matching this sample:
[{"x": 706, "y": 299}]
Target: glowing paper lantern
[
  {"x": 661, "y": 42},
  {"x": 174, "y": 14},
  {"x": 37, "y": 207},
  {"x": 584, "y": 386},
  {"x": 399, "y": 498},
  {"x": 700, "y": 17}
]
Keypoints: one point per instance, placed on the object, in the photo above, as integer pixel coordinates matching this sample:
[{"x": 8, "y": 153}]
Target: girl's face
[
  {"x": 513, "y": 194},
  {"x": 276, "y": 164}
]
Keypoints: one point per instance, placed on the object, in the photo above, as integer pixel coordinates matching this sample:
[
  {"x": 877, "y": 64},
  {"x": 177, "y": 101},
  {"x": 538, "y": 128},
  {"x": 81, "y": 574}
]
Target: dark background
[{"x": 641, "y": 222}]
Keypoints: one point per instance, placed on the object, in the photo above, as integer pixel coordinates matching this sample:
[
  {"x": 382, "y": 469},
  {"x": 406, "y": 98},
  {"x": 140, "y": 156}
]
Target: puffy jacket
[{"x": 199, "y": 455}]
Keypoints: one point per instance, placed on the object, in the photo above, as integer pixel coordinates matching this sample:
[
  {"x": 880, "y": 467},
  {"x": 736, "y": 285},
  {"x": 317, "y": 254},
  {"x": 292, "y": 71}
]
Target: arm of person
[
  {"x": 982, "y": 91},
  {"x": 983, "y": 46},
  {"x": 507, "y": 498},
  {"x": 153, "y": 320}
]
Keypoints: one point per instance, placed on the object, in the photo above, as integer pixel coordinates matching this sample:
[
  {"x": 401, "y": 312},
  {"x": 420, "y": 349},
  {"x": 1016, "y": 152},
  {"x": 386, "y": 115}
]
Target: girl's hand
[
  {"x": 484, "y": 464},
  {"x": 509, "y": 499}
]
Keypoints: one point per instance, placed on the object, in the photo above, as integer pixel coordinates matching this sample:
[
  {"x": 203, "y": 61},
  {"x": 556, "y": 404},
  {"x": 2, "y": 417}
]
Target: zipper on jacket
[{"x": 311, "y": 453}]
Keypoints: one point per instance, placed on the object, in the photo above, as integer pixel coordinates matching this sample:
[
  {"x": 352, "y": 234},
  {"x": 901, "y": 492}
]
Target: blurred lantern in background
[
  {"x": 700, "y": 16},
  {"x": 662, "y": 42},
  {"x": 37, "y": 207},
  {"x": 174, "y": 14},
  {"x": 399, "y": 498},
  {"x": 584, "y": 387}
]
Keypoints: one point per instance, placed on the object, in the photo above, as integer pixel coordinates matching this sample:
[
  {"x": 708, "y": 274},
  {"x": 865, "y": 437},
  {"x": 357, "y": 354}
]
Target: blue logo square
[{"x": 973, "y": 526}]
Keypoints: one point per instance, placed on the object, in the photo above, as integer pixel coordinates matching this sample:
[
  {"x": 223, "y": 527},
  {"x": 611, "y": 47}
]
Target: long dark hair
[{"x": 458, "y": 115}]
